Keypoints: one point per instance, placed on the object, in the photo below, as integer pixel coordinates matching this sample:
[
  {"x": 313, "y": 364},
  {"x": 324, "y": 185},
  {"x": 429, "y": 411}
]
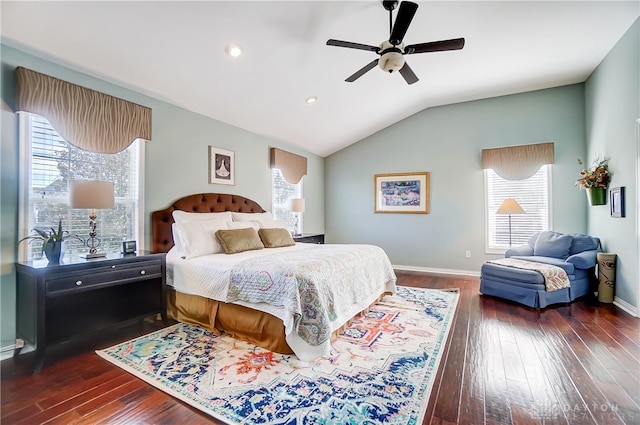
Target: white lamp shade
[
  {"x": 91, "y": 194},
  {"x": 296, "y": 204},
  {"x": 510, "y": 206}
]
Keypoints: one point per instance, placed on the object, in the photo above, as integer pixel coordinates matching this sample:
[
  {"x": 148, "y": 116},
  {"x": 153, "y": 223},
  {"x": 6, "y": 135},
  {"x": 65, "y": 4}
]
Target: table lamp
[
  {"x": 92, "y": 195},
  {"x": 296, "y": 205}
]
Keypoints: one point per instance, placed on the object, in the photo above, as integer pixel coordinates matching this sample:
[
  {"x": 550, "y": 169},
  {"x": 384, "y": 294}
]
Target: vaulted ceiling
[{"x": 175, "y": 51}]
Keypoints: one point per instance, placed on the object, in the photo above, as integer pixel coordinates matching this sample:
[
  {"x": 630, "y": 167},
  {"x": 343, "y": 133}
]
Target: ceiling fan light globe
[{"x": 390, "y": 62}]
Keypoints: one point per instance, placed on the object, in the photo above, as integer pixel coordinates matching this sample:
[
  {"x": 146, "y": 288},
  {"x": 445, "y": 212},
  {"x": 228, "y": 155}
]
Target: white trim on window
[
  {"x": 131, "y": 200},
  {"x": 533, "y": 194},
  {"x": 281, "y": 191}
]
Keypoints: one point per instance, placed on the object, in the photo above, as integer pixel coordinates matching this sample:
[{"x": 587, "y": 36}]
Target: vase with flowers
[{"x": 595, "y": 180}]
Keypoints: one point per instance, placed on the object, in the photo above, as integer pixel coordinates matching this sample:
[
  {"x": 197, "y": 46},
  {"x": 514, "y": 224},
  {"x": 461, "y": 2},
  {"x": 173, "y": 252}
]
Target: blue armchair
[{"x": 574, "y": 253}]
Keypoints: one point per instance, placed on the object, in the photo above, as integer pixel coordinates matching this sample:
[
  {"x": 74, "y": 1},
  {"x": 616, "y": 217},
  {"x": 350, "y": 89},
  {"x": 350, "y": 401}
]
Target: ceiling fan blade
[
  {"x": 403, "y": 20},
  {"x": 350, "y": 45},
  {"x": 359, "y": 73},
  {"x": 435, "y": 46},
  {"x": 408, "y": 74}
]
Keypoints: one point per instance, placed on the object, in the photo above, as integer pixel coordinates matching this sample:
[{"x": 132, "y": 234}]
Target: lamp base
[{"x": 94, "y": 255}]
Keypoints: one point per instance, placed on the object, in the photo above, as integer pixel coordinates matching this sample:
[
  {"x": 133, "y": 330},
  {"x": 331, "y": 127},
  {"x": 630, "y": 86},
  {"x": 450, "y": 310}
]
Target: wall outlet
[{"x": 467, "y": 254}]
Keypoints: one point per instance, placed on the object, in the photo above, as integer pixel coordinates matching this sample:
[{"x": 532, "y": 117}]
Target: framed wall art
[
  {"x": 402, "y": 193},
  {"x": 616, "y": 201},
  {"x": 222, "y": 169}
]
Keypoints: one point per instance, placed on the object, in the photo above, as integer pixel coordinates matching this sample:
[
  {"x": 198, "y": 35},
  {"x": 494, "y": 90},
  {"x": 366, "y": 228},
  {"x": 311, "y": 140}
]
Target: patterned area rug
[{"x": 380, "y": 370}]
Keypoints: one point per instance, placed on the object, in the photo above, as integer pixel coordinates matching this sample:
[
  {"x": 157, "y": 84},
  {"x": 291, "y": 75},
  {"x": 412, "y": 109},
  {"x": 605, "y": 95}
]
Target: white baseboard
[
  {"x": 618, "y": 302},
  {"x": 7, "y": 352},
  {"x": 430, "y": 270},
  {"x": 623, "y": 305}
]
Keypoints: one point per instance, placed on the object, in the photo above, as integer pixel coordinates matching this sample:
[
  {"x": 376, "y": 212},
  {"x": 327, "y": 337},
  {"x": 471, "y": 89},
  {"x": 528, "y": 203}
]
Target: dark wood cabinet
[
  {"x": 317, "y": 238},
  {"x": 60, "y": 302}
]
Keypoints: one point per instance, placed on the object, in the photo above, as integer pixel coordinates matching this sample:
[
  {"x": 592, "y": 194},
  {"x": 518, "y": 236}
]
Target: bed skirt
[{"x": 255, "y": 327}]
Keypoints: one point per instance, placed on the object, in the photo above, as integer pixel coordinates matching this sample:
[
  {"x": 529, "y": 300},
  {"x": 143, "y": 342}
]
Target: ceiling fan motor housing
[
  {"x": 391, "y": 58},
  {"x": 392, "y": 51}
]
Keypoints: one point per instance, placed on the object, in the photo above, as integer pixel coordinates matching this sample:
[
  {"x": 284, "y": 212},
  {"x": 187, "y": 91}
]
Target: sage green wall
[
  {"x": 176, "y": 163},
  {"x": 612, "y": 95},
  {"x": 447, "y": 141}
]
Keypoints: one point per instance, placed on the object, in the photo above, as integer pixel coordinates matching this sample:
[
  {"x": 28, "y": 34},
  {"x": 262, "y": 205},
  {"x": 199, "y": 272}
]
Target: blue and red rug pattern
[{"x": 380, "y": 370}]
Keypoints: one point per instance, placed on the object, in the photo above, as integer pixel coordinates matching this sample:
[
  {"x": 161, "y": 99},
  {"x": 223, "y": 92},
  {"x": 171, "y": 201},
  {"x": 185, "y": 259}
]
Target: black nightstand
[
  {"x": 317, "y": 238},
  {"x": 60, "y": 302}
]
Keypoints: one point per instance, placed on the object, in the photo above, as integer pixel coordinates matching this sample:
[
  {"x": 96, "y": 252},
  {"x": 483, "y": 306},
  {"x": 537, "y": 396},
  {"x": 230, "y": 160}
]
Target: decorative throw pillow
[
  {"x": 184, "y": 217},
  {"x": 582, "y": 242},
  {"x": 276, "y": 237},
  {"x": 197, "y": 238},
  {"x": 552, "y": 244},
  {"x": 234, "y": 241}
]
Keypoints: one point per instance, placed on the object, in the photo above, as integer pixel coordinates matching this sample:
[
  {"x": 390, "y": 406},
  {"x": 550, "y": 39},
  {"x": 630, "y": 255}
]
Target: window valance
[
  {"x": 518, "y": 162},
  {"x": 85, "y": 118},
  {"x": 292, "y": 166}
]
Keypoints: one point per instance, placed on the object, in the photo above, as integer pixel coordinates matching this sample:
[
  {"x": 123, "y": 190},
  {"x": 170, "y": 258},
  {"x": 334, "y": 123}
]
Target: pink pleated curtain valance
[
  {"x": 293, "y": 167},
  {"x": 518, "y": 162},
  {"x": 88, "y": 119}
]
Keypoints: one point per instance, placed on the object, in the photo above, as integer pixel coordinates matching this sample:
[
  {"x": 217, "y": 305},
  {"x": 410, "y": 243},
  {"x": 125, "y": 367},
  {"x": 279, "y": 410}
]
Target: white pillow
[
  {"x": 197, "y": 238},
  {"x": 252, "y": 216},
  {"x": 186, "y": 217},
  {"x": 272, "y": 224},
  {"x": 177, "y": 241},
  {"x": 231, "y": 225}
]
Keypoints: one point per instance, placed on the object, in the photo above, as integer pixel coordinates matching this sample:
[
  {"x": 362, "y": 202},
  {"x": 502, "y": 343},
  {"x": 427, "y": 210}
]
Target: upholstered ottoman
[{"x": 519, "y": 285}]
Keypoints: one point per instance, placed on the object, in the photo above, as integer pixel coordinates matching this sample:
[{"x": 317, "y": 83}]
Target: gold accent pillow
[
  {"x": 239, "y": 240},
  {"x": 277, "y": 237}
]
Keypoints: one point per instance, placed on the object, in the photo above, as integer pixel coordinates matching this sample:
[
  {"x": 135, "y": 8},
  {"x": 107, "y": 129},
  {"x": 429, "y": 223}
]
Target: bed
[{"x": 286, "y": 297}]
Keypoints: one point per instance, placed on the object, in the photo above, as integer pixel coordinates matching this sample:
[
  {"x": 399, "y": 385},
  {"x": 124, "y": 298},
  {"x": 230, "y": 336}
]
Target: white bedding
[{"x": 210, "y": 276}]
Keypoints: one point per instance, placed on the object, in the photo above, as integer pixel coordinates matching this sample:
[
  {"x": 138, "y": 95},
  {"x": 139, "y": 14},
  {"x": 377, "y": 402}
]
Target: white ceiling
[{"x": 174, "y": 51}]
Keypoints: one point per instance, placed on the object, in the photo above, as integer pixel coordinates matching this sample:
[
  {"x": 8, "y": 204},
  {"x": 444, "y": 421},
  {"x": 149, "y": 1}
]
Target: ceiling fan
[{"x": 392, "y": 51}]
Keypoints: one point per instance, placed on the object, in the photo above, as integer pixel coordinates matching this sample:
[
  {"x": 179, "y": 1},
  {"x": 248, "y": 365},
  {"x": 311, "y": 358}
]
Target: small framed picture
[
  {"x": 222, "y": 169},
  {"x": 402, "y": 193},
  {"x": 128, "y": 247},
  {"x": 616, "y": 201}
]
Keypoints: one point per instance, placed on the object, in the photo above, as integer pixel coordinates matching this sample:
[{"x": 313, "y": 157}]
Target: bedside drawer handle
[
  {"x": 78, "y": 282},
  {"x": 143, "y": 272}
]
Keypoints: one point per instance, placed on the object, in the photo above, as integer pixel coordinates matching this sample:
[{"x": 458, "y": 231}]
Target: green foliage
[
  {"x": 598, "y": 175},
  {"x": 49, "y": 236}
]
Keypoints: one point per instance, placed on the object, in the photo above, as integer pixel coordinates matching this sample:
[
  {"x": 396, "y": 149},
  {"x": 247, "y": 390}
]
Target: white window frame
[
  {"x": 501, "y": 249},
  {"x": 25, "y": 182},
  {"x": 278, "y": 210}
]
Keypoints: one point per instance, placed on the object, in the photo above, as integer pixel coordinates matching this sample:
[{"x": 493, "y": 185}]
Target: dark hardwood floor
[{"x": 506, "y": 364}]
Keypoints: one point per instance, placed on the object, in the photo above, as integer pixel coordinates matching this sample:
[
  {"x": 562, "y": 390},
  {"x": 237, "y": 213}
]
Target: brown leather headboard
[{"x": 162, "y": 220}]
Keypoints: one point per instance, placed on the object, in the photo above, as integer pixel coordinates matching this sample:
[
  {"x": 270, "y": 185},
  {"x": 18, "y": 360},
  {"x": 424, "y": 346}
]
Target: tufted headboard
[{"x": 162, "y": 220}]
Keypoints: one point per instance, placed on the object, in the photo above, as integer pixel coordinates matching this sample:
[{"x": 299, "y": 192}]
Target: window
[
  {"x": 282, "y": 191},
  {"x": 48, "y": 163},
  {"x": 533, "y": 195}
]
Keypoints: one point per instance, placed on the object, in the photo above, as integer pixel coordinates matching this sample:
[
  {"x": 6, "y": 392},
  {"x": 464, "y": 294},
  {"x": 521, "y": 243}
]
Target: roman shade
[
  {"x": 518, "y": 162},
  {"x": 87, "y": 119},
  {"x": 293, "y": 167}
]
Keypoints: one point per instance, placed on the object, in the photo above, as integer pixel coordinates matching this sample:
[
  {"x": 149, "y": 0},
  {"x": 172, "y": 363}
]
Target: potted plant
[
  {"x": 52, "y": 241},
  {"x": 595, "y": 180}
]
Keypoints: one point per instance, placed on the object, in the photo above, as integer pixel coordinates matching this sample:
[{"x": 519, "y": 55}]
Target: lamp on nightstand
[
  {"x": 296, "y": 205},
  {"x": 92, "y": 195},
  {"x": 510, "y": 206}
]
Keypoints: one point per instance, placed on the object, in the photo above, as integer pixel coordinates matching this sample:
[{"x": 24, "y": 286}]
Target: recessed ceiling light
[
  {"x": 233, "y": 50},
  {"x": 311, "y": 99}
]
